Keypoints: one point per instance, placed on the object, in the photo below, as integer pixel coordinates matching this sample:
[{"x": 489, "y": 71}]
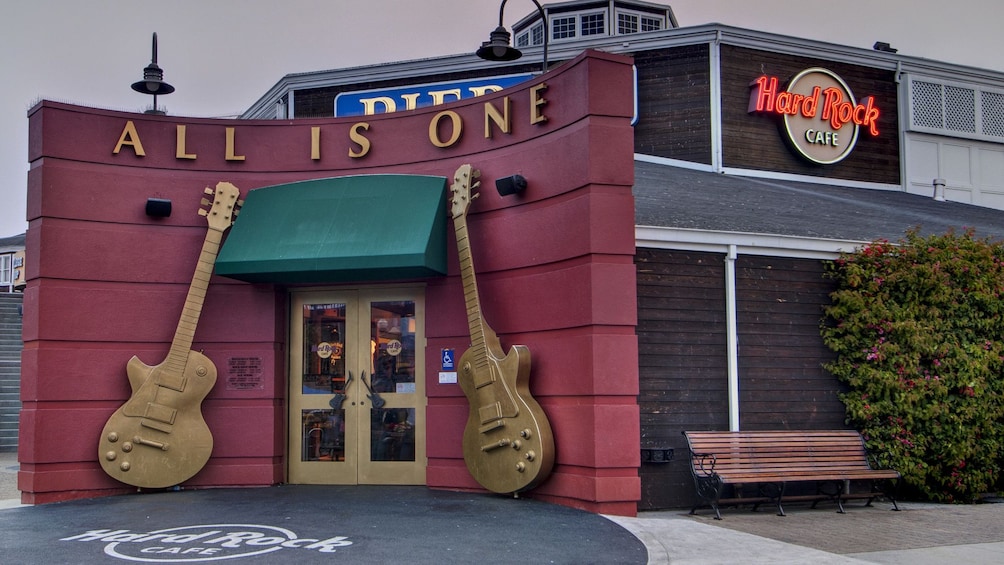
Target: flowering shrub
[{"x": 918, "y": 329}]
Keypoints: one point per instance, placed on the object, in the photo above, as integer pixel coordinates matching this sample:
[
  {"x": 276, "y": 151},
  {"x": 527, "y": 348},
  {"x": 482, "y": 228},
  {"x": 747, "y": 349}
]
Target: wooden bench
[{"x": 769, "y": 460}]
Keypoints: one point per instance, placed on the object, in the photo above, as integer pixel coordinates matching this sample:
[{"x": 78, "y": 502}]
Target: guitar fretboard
[
  {"x": 474, "y": 320},
  {"x": 184, "y": 335}
]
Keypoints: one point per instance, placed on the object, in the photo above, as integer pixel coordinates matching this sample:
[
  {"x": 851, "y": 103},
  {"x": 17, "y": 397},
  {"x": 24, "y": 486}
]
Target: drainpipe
[{"x": 732, "y": 337}]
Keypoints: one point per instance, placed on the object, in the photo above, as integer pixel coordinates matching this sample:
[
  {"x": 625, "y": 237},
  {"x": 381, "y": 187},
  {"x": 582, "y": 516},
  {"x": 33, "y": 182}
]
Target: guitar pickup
[
  {"x": 490, "y": 412},
  {"x": 159, "y": 417},
  {"x": 173, "y": 382}
]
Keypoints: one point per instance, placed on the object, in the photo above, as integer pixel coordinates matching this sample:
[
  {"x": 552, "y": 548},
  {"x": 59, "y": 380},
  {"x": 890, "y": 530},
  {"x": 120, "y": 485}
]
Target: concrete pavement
[{"x": 464, "y": 527}]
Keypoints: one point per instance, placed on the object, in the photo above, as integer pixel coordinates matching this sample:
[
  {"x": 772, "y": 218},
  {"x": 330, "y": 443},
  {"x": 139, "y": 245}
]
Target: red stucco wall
[{"x": 554, "y": 266}]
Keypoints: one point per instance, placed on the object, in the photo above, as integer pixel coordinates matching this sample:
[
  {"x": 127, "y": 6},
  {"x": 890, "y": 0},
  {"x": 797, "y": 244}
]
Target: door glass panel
[
  {"x": 392, "y": 342},
  {"x": 323, "y": 435},
  {"x": 393, "y": 434},
  {"x": 323, "y": 348}
]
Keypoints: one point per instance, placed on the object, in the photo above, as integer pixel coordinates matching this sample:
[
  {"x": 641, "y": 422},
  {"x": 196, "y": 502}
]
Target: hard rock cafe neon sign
[{"x": 820, "y": 115}]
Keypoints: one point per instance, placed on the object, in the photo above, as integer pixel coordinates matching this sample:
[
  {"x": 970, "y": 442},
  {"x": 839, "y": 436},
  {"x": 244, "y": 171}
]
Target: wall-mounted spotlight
[
  {"x": 884, "y": 46},
  {"x": 158, "y": 207},
  {"x": 153, "y": 81},
  {"x": 510, "y": 185}
]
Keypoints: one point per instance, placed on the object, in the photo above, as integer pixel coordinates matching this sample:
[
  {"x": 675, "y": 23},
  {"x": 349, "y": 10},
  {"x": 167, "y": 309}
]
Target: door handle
[
  {"x": 373, "y": 396},
  {"x": 339, "y": 397}
]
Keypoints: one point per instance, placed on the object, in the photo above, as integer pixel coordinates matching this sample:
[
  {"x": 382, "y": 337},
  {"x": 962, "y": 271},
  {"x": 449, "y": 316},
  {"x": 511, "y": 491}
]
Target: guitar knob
[
  {"x": 124, "y": 466},
  {"x": 521, "y": 466},
  {"x": 530, "y": 455},
  {"x": 111, "y": 455},
  {"x": 202, "y": 371},
  {"x": 526, "y": 433},
  {"x": 517, "y": 445},
  {"x": 113, "y": 437},
  {"x": 127, "y": 446}
]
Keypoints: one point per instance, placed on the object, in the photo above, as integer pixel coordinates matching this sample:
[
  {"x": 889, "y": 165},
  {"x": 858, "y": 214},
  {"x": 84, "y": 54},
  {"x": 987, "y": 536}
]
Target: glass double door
[{"x": 357, "y": 387}]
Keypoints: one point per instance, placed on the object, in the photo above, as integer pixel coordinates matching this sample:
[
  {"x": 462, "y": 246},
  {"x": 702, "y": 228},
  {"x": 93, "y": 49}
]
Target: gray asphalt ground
[{"x": 469, "y": 528}]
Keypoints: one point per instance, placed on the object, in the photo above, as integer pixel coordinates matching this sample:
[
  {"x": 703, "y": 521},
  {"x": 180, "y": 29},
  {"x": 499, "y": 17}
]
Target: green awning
[{"x": 356, "y": 228}]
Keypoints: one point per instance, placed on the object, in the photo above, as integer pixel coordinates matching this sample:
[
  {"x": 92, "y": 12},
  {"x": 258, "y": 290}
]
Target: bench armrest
[{"x": 704, "y": 463}]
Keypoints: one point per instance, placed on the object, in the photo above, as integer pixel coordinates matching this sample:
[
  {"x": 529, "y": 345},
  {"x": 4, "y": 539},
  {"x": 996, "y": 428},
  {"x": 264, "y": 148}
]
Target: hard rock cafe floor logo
[
  {"x": 215, "y": 542},
  {"x": 821, "y": 116}
]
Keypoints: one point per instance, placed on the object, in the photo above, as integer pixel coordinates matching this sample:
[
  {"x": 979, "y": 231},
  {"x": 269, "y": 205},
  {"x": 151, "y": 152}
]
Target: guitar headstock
[
  {"x": 464, "y": 184},
  {"x": 224, "y": 207}
]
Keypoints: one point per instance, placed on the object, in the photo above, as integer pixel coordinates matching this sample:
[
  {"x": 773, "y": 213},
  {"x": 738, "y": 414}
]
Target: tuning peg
[
  {"x": 240, "y": 203},
  {"x": 475, "y": 173},
  {"x": 209, "y": 191},
  {"x": 206, "y": 202},
  {"x": 203, "y": 212}
]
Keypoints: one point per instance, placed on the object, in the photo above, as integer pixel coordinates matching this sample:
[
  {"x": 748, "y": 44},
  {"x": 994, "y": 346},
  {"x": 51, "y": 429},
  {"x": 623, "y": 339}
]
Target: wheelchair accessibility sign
[{"x": 448, "y": 370}]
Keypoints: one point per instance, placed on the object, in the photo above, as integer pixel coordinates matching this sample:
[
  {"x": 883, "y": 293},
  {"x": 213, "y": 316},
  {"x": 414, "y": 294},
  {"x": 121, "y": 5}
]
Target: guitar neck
[
  {"x": 185, "y": 334},
  {"x": 482, "y": 336}
]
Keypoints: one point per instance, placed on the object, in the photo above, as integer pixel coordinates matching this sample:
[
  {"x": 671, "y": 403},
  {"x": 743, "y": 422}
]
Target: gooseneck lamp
[
  {"x": 153, "y": 81},
  {"x": 497, "y": 47}
]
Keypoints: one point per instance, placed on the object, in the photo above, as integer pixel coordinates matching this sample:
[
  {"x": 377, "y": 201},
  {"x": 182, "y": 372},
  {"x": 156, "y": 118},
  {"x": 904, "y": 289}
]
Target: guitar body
[
  {"x": 159, "y": 438},
  {"x": 508, "y": 444}
]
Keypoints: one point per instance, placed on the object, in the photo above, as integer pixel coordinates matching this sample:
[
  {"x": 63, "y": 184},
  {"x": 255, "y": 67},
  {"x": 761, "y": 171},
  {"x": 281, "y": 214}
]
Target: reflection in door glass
[
  {"x": 393, "y": 432},
  {"x": 323, "y": 348},
  {"x": 392, "y": 342},
  {"x": 323, "y": 435}
]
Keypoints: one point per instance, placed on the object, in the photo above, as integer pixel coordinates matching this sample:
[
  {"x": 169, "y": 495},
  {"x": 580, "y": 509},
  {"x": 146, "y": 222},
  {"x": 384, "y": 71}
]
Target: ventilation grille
[{"x": 957, "y": 110}]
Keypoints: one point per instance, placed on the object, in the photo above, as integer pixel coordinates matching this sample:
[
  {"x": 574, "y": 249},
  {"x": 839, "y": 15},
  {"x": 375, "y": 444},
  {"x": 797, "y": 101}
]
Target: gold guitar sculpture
[
  {"x": 508, "y": 445},
  {"x": 158, "y": 438}
]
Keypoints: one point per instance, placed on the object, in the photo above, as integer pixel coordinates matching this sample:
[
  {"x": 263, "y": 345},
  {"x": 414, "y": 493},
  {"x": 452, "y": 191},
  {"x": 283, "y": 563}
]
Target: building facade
[{"x": 664, "y": 263}]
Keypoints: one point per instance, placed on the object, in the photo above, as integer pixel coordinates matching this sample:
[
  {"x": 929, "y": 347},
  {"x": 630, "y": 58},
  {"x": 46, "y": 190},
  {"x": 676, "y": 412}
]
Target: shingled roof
[{"x": 675, "y": 197}]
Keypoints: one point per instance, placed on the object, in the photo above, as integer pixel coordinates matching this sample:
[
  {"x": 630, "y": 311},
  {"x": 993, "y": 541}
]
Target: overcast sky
[{"x": 222, "y": 55}]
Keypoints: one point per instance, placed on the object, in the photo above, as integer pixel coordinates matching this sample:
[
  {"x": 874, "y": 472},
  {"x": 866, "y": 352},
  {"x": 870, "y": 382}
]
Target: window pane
[
  {"x": 393, "y": 434},
  {"x": 594, "y": 24},
  {"x": 627, "y": 23},
  {"x": 392, "y": 341},
  {"x": 323, "y": 435},
  {"x": 523, "y": 39},
  {"x": 537, "y": 31},
  {"x": 5, "y": 269},
  {"x": 323, "y": 348},
  {"x": 563, "y": 28},
  {"x": 651, "y": 24}
]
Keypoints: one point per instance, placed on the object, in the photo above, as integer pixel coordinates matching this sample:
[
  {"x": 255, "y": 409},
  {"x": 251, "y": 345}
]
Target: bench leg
[
  {"x": 835, "y": 494},
  {"x": 888, "y": 493},
  {"x": 773, "y": 492},
  {"x": 709, "y": 491}
]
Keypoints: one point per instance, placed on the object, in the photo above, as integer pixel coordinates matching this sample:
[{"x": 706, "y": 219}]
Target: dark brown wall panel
[
  {"x": 682, "y": 363},
  {"x": 674, "y": 103},
  {"x": 782, "y": 384}
]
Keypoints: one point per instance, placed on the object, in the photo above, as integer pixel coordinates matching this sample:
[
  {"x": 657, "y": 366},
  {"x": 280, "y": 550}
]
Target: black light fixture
[
  {"x": 153, "y": 81},
  {"x": 497, "y": 47},
  {"x": 510, "y": 185},
  {"x": 158, "y": 207},
  {"x": 884, "y": 46}
]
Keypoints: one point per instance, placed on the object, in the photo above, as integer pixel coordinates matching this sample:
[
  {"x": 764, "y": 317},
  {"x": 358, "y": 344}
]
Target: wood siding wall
[
  {"x": 674, "y": 103},
  {"x": 683, "y": 375},
  {"x": 782, "y": 384},
  {"x": 682, "y": 365}
]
